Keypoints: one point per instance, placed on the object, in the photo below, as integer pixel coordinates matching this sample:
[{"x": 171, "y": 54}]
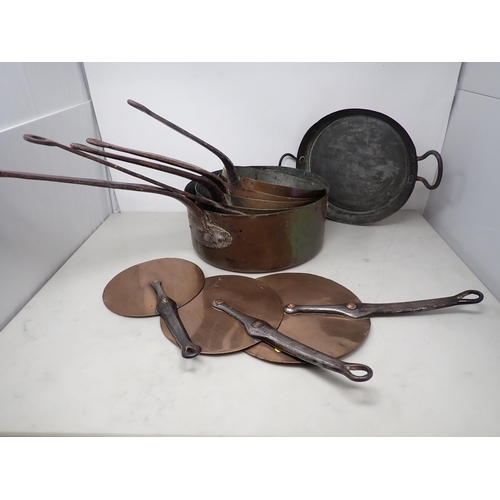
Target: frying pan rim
[{"x": 340, "y": 214}]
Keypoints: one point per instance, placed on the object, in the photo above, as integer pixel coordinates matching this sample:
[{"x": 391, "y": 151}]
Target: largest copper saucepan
[
  {"x": 277, "y": 240},
  {"x": 232, "y": 240}
]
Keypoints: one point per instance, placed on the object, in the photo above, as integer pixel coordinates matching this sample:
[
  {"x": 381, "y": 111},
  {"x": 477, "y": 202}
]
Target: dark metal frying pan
[
  {"x": 157, "y": 287},
  {"x": 369, "y": 162},
  {"x": 331, "y": 328}
]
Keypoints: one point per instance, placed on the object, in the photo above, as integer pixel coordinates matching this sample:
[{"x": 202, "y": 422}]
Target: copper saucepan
[
  {"x": 217, "y": 202},
  {"x": 223, "y": 186},
  {"x": 237, "y": 198},
  {"x": 253, "y": 178},
  {"x": 228, "y": 238}
]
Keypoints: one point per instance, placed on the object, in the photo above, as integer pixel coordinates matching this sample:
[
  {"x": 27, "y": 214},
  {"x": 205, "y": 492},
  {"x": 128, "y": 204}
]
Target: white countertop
[{"x": 68, "y": 366}]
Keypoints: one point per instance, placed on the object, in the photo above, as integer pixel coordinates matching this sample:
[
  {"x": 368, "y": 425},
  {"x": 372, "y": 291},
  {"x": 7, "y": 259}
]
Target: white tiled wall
[
  {"x": 42, "y": 223},
  {"x": 465, "y": 210}
]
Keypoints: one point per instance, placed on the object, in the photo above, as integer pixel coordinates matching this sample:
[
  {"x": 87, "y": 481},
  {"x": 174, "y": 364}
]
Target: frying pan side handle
[
  {"x": 357, "y": 311},
  {"x": 439, "y": 172},
  {"x": 294, "y": 158},
  {"x": 167, "y": 309},
  {"x": 262, "y": 330}
]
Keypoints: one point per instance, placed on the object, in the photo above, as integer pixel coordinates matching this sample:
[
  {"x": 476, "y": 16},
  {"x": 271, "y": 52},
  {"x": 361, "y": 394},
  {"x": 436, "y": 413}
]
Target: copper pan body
[{"x": 266, "y": 242}]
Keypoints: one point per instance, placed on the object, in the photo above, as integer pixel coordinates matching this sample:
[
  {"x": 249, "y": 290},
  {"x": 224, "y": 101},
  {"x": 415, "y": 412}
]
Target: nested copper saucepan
[
  {"x": 216, "y": 184},
  {"x": 279, "y": 181},
  {"x": 252, "y": 206},
  {"x": 223, "y": 193},
  {"x": 235, "y": 238}
]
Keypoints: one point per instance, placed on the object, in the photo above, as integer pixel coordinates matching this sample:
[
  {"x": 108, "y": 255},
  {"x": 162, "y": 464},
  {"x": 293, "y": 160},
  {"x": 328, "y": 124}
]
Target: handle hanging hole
[{"x": 462, "y": 297}]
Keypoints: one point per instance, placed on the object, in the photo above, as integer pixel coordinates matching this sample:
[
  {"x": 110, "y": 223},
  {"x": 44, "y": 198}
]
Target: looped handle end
[
  {"x": 190, "y": 351},
  {"x": 439, "y": 172},
  {"x": 350, "y": 369},
  {"x": 167, "y": 309},
  {"x": 36, "y": 139},
  {"x": 463, "y": 300}
]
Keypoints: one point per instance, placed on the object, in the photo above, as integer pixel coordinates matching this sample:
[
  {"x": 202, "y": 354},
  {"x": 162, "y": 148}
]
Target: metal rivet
[{"x": 350, "y": 305}]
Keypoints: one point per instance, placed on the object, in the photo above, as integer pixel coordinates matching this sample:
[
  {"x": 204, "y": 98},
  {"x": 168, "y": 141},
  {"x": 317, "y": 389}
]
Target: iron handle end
[
  {"x": 36, "y": 139},
  {"x": 262, "y": 330},
  {"x": 349, "y": 370},
  {"x": 461, "y": 297},
  {"x": 167, "y": 309}
]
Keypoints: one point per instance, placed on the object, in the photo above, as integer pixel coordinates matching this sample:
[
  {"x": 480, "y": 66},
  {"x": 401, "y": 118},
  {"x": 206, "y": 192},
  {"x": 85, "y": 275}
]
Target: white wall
[
  {"x": 42, "y": 224},
  {"x": 465, "y": 209},
  {"x": 255, "y": 112}
]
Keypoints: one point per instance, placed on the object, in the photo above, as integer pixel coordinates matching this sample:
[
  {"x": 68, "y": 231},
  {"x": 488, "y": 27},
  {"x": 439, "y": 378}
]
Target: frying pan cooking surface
[{"x": 368, "y": 160}]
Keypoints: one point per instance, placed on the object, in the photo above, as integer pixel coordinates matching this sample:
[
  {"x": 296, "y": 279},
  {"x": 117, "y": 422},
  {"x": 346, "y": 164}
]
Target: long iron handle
[
  {"x": 215, "y": 191},
  {"x": 167, "y": 309},
  {"x": 262, "y": 330},
  {"x": 206, "y": 232},
  {"x": 163, "y": 159},
  {"x": 228, "y": 164},
  {"x": 357, "y": 311},
  {"x": 35, "y": 139}
]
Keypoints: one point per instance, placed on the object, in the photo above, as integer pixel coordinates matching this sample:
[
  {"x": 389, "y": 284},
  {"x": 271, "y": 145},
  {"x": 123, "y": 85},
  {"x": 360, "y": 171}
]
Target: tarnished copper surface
[
  {"x": 216, "y": 332},
  {"x": 267, "y": 242},
  {"x": 328, "y": 334},
  {"x": 129, "y": 293}
]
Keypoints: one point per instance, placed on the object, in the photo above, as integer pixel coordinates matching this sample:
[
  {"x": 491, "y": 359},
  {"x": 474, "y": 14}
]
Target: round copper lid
[
  {"x": 218, "y": 333},
  {"x": 329, "y": 334},
  {"x": 130, "y": 293}
]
